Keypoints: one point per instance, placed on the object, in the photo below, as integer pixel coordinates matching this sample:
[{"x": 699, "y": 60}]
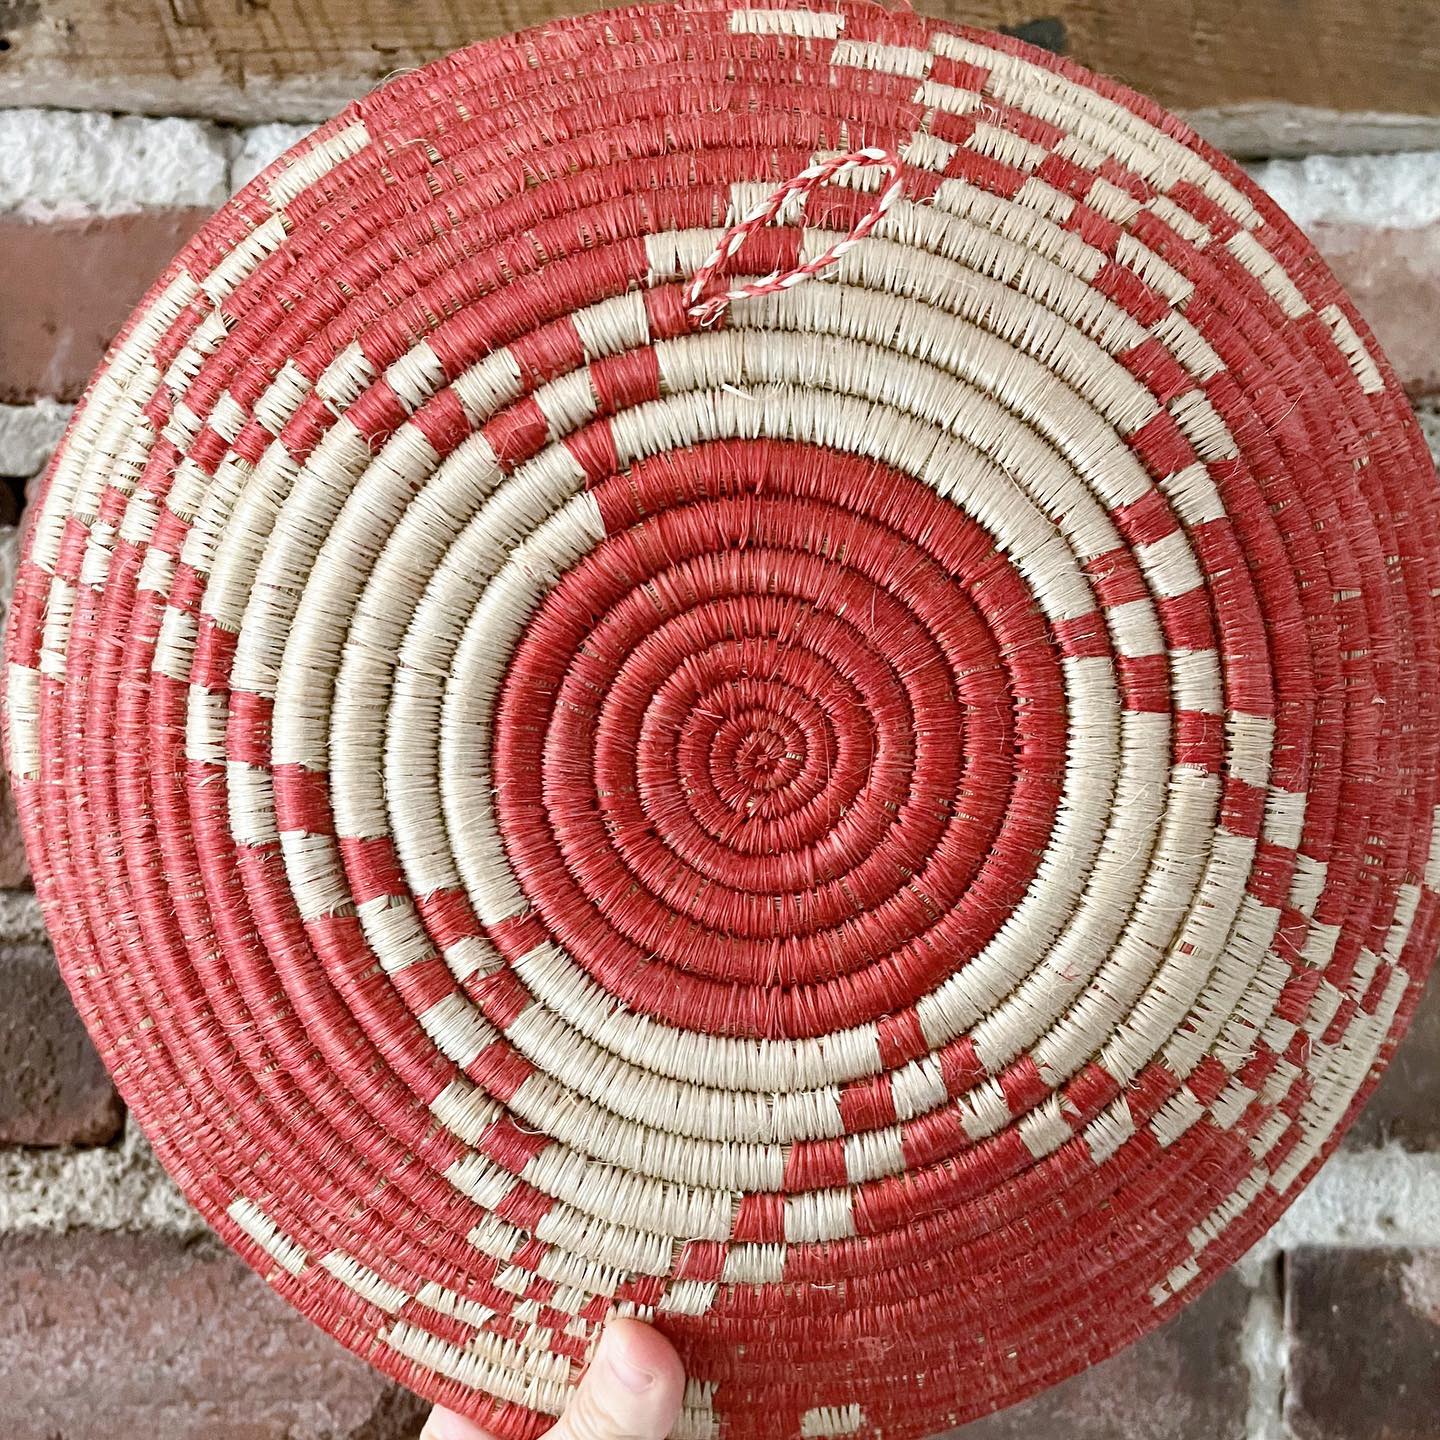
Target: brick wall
[{"x": 119, "y": 1315}]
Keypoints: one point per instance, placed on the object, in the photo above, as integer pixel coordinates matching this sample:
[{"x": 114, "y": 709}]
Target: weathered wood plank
[{"x": 1238, "y": 66}]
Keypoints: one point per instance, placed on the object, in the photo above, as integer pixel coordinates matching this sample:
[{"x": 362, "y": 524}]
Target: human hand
[{"x": 631, "y": 1391}]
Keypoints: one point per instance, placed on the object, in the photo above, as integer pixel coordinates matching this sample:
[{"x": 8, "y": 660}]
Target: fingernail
[
  {"x": 633, "y": 1377},
  {"x": 445, "y": 1425}
]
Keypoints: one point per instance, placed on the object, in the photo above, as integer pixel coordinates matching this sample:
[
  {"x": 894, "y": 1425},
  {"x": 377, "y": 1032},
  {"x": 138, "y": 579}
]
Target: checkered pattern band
[{"x": 885, "y": 824}]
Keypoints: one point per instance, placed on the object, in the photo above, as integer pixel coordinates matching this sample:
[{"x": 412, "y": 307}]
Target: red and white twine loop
[{"x": 708, "y": 311}]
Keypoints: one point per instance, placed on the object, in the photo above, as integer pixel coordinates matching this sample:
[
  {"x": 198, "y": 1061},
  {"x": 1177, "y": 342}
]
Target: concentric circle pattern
[{"x": 888, "y": 832}]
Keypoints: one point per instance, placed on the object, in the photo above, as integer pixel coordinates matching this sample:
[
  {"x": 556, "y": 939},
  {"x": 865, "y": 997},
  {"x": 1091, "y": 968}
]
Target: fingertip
[
  {"x": 644, "y": 1351},
  {"x": 632, "y": 1389},
  {"x": 445, "y": 1424}
]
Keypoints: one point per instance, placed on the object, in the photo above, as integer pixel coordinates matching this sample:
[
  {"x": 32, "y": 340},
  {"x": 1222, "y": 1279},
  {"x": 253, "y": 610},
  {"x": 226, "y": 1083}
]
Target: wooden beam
[{"x": 1333, "y": 68}]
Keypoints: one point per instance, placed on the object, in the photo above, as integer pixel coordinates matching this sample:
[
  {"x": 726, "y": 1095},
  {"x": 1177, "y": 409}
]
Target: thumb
[{"x": 632, "y": 1390}]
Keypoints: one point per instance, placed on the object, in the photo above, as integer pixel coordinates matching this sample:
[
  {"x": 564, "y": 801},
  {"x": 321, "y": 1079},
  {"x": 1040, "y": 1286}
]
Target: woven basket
[{"x": 883, "y": 823}]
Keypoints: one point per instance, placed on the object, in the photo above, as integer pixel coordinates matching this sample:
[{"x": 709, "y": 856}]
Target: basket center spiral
[{"x": 732, "y": 742}]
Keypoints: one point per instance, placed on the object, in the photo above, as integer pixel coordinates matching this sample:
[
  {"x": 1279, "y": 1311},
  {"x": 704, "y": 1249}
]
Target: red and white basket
[{"x": 884, "y": 823}]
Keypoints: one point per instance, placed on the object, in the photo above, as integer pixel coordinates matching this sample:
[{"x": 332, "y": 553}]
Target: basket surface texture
[{"x": 884, "y": 823}]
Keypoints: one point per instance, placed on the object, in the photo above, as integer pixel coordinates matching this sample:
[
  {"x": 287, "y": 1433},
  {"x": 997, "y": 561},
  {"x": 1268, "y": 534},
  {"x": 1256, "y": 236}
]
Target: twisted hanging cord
[{"x": 708, "y": 311}]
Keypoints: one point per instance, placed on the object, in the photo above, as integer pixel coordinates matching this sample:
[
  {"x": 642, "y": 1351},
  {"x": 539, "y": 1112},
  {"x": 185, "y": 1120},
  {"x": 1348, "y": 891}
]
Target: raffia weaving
[{"x": 861, "y": 785}]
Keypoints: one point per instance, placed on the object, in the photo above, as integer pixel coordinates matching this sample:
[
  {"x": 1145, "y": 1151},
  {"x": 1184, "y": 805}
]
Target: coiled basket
[{"x": 770, "y": 668}]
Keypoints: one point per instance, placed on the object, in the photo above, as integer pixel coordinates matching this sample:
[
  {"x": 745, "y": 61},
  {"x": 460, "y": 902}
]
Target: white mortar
[
  {"x": 28, "y": 433},
  {"x": 1399, "y": 191},
  {"x": 58, "y": 163}
]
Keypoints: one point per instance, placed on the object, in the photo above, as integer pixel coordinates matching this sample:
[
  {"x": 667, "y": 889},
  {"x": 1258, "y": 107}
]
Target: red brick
[
  {"x": 1405, "y": 1107},
  {"x": 53, "y": 1088},
  {"x": 1186, "y": 1381},
  {"x": 1393, "y": 275},
  {"x": 142, "y": 1335},
  {"x": 14, "y": 866},
  {"x": 66, "y": 287},
  {"x": 1364, "y": 1353}
]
